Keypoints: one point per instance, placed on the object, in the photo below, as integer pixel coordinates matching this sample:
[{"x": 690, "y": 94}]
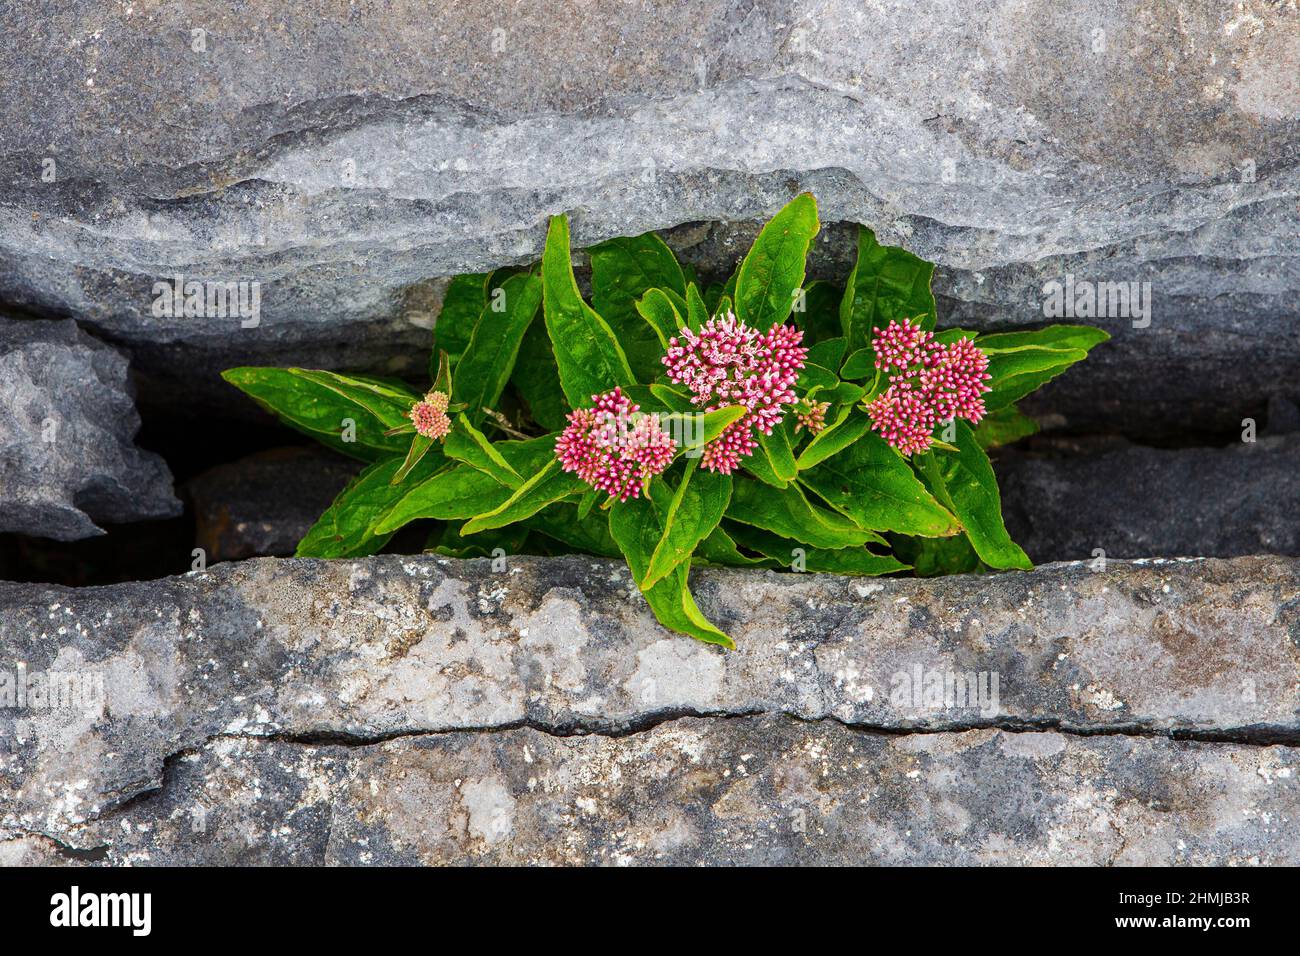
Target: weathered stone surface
[
  {"x": 265, "y": 503},
  {"x": 1134, "y": 502},
  {"x": 361, "y": 651},
  {"x": 769, "y": 791},
  {"x": 67, "y": 427},
  {"x": 342, "y": 160}
]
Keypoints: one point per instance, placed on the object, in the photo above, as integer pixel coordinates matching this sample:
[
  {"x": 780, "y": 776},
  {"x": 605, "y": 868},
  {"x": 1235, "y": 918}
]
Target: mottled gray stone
[
  {"x": 68, "y": 421},
  {"x": 361, "y": 651},
  {"x": 756, "y": 791},
  {"x": 1131, "y": 501},
  {"x": 342, "y": 161},
  {"x": 265, "y": 503}
]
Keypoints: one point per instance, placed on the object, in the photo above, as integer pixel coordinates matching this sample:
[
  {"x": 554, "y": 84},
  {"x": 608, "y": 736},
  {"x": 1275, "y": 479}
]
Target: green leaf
[
  {"x": 462, "y": 304},
  {"x": 661, "y": 314},
  {"x": 696, "y": 509},
  {"x": 790, "y": 554},
  {"x": 860, "y": 365},
  {"x": 848, "y": 426},
  {"x": 547, "y": 486},
  {"x": 777, "y": 449},
  {"x": 343, "y": 531},
  {"x": 886, "y": 284},
  {"x": 773, "y": 271},
  {"x": 697, "y": 313},
  {"x": 813, "y": 377},
  {"x": 489, "y": 357},
  {"x": 1004, "y": 426},
  {"x": 457, "y": 493},
  {"x": 787, "y": 512},
  {"x": 420, "y": 447},
  {"x": 622, "y": 271},
  {"x": 694, "y": 430},
  {"x": 1020, "y": 362},
  {"x": 320, "y": 403},
  {"x": 871, "y": 483},
  {"x": 538, "y": 380},
  {"x": 466, "y": 443},
  {"x": 672, "y": 398},
  {"x": 760, "y": 466},
  {"x": 971, "y": 491},
  {"x": 588, "y": 356},
  {"x": 719, "y": 548},
  {"x": 931, "y": 557},
  {"x": 1060, "y": 337},
  {"x": 447, "y": 541},
  {"x": 828, "y": 353},
  {"x": 636, "y": 527}
]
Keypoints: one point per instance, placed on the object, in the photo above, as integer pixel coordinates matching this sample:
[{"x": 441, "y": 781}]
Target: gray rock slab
[
  {"x": 362, "y": 651},
  {"x": 342, "y": 162},
  {"x": 748, "y": 791},
  {"x": 263, "y": 504},
  {"x": 1131, "y": 501},
  {"x": 68, "y": 457}
]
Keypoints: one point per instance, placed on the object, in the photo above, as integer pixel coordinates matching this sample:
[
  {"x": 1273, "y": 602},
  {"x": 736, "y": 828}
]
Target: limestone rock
[
  {"x": 68, "y": 457},
  {"x": 356, "y": 652}
]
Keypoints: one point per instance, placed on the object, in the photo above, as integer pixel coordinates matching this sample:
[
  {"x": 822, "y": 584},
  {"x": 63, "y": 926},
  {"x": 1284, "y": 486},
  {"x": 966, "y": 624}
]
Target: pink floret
[
  {"x": 929, "y": 383},
  {"x": 729, "y": 363},
  {"x": 612, "y": 447}
]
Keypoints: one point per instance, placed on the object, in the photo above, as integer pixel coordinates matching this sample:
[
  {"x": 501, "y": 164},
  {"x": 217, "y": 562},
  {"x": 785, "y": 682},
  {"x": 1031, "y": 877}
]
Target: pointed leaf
[
  {"x": 588, "y": 356},
  {"x": 320, "y": 405},
  {"x": 773, "y": 271},
  {"x": 972, "y": 493},
  {"x": 696, "y": 509},
  {"x": 871, "y": 483},
  {"x": 789, "y": 553},
  {"x": 776, "y": 448},
  {"x": 849, "y": 425},
  {"x": 636, "y": 528},
  {"x": 462, "y": 304},
  {"x": 466, "y": 443},
  {"x": 343, "y": 531},
  {"x": 489, "y": 358},
  {"x": 547, "y": 486},
  {"x": 538, "y": 380},
  {"x": 886, "y": 284},
  {"x": 787, "y": 512},
  {"x": 659, "y": 311},
  {"x": 420, "y": 446}
]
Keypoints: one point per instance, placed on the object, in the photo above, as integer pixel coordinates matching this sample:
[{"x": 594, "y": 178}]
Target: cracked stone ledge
[
  {"x": 372, "y": 651},
  {"x": 742, "y": 790}
]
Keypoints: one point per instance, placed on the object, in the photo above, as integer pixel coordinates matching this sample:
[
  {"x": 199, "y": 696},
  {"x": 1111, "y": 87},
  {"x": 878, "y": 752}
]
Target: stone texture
[
  {"x": 747, "y": 791},
  {"x": 1134, "y": 502},
  {"x": 68, "y": 458},
  {"x": 265, "y": 503},
  {"x": 342, "y": 156},
  {"x": 363, "y": 651}
]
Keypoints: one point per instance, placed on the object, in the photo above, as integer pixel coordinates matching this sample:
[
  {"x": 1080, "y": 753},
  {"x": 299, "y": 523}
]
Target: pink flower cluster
[
  {"x": 729, "y": 363},
  {"x": 613, "y": 448},
  {"x": 430, "y": 416},
  {"x": 929, "y": 383}
]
